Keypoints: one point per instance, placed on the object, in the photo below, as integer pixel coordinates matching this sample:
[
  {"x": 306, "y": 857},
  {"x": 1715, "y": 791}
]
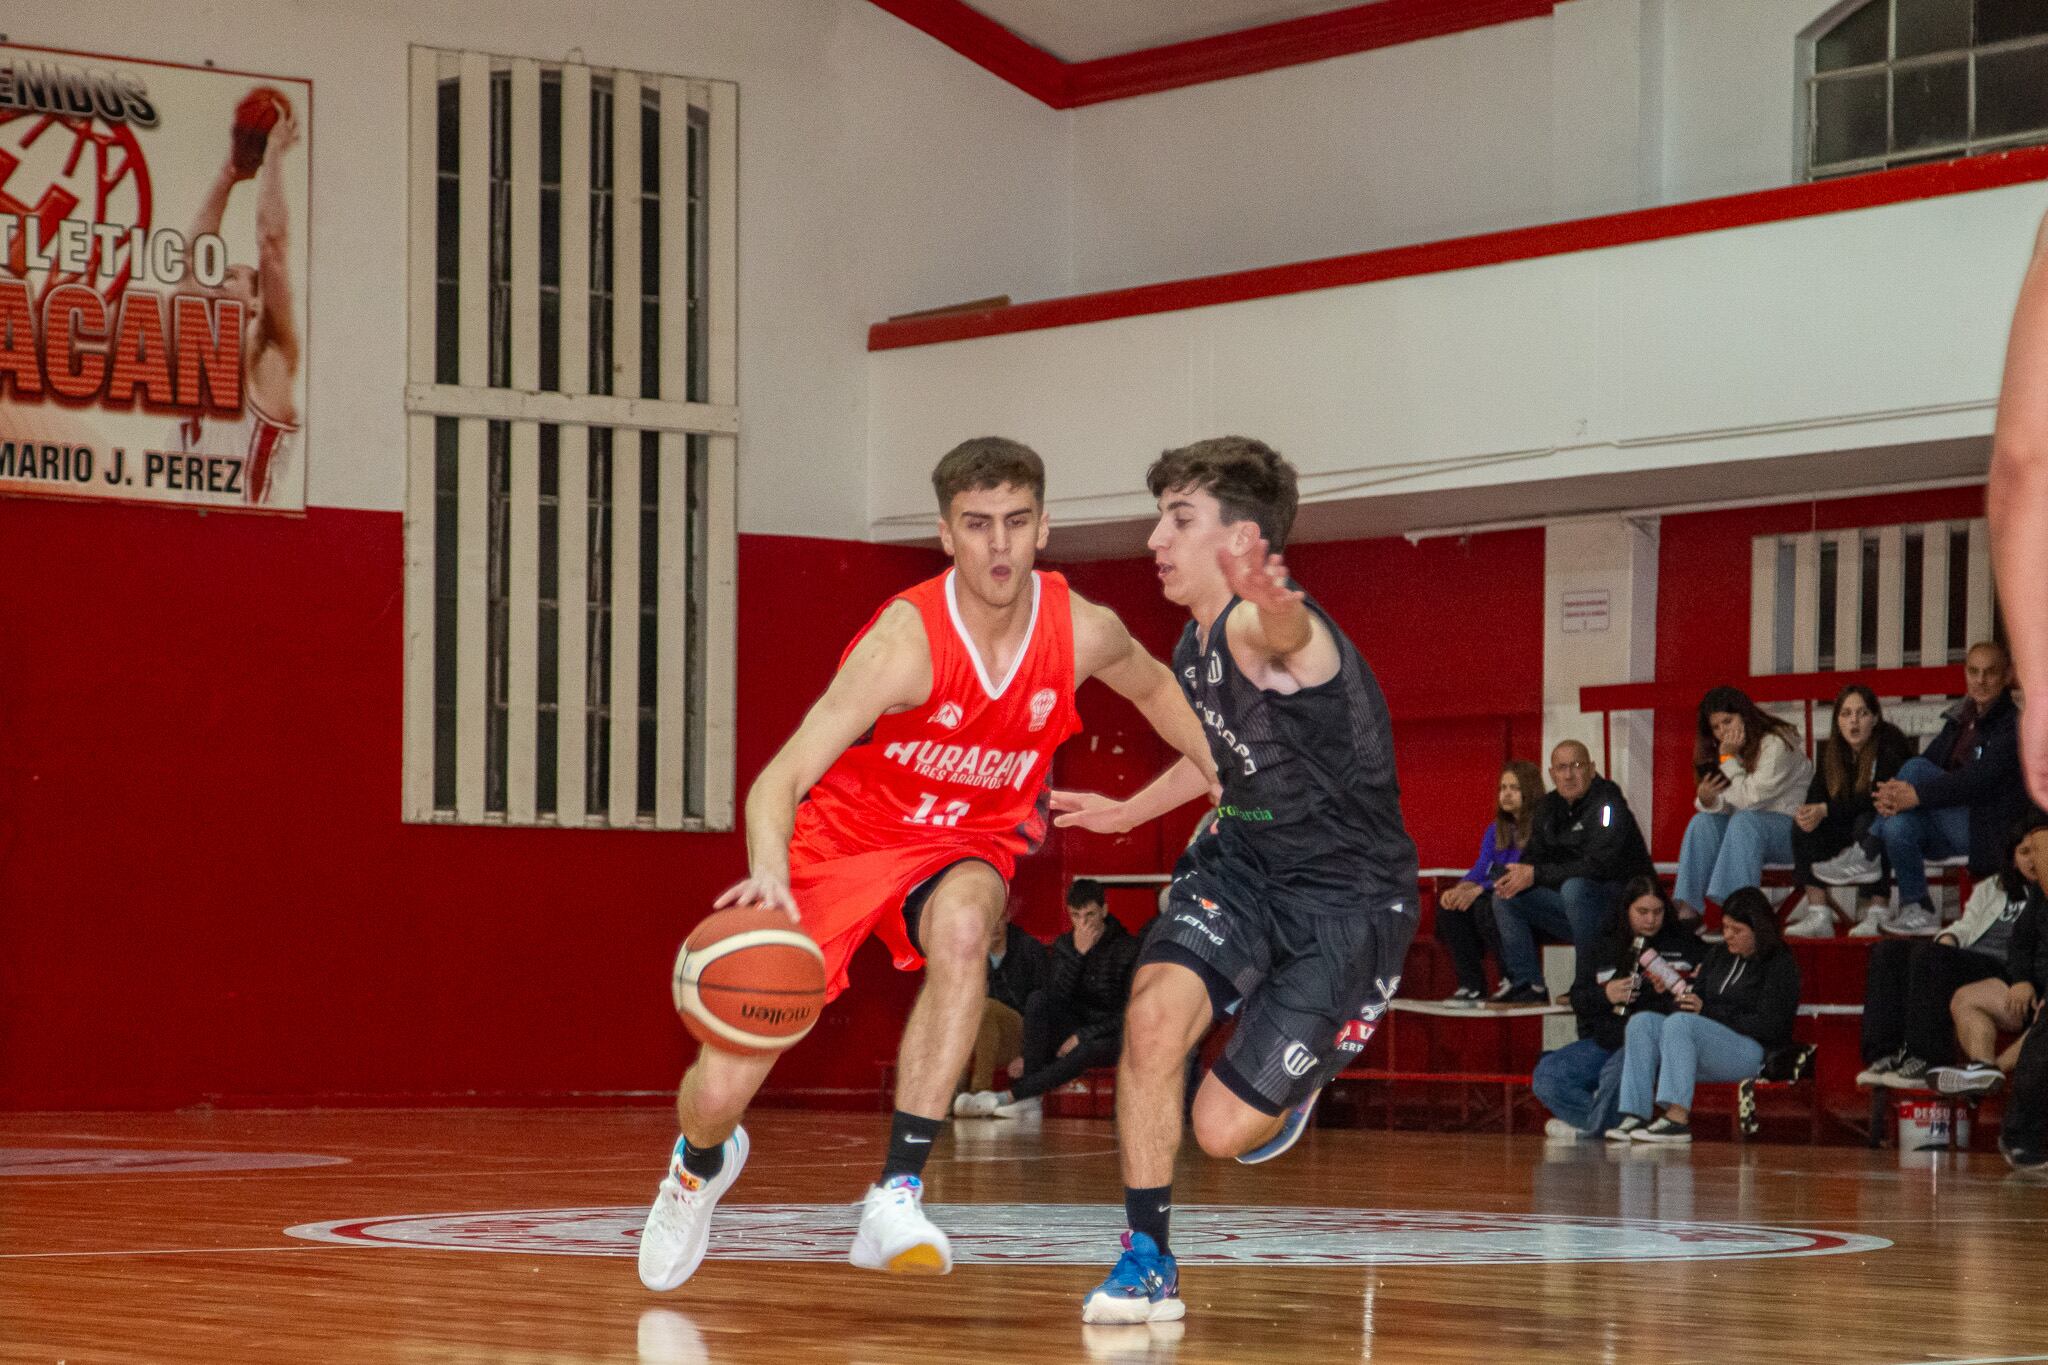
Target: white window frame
[{"x": 474, "y": 404}]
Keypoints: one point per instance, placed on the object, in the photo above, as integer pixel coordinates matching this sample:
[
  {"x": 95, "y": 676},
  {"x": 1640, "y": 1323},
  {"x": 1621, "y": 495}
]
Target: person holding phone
[{"x": 1752, "y": 774}]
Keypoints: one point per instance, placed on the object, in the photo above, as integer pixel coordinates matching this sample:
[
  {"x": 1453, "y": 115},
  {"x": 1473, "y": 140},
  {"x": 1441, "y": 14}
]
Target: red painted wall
[
  {"x": 206, "y": 892},
  {"x": 205, "y": 887}
]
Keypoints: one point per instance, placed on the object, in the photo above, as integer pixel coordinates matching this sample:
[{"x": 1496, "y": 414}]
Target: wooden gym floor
[{"x": 446, "y": 1237}]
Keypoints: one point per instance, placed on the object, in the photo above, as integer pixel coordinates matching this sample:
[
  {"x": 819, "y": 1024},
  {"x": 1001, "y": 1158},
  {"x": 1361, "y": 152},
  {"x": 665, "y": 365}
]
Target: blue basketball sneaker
[
  {"x": 1144, "y": 1287},
  {"x": 1292, "y": 1126}
]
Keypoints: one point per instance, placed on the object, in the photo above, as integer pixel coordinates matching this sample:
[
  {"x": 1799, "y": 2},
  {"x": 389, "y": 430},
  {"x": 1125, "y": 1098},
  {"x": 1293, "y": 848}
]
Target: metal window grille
[
  {"x": 1906, "y": 596},
  {"x": 1895, "y": 82},
  {"x": 572, "y": 425}
]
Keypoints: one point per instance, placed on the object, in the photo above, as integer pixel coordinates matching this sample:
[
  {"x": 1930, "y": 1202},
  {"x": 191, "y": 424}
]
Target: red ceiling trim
[
  {"x": 1291, "y": 42},
  {"x": 1312, "y": 38},
  {"x": 1490, "y": 248},
  {"x": 987, "y": 44}
]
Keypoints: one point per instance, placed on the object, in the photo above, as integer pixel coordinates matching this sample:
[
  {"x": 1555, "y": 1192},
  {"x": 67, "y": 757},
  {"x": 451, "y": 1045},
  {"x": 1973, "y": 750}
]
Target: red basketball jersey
[{"x": 970, "y": 765}]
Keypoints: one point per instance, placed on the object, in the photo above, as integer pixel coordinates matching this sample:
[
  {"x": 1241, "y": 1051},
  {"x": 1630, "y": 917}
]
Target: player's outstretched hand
[
  {"x": 762, "y": 889},
  {"x": 1091, "y": 811},
  {"x": 1259, "y": 577}
]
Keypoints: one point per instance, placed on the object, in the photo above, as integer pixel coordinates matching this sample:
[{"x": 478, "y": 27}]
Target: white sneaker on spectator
[
  {"x": 1913, "y": 921},
  {"x": 1624, "y": 1131},
  {"x": 1870, "y": 919},
  {"x": 1811, "y": 921},
  {"x": 1874, "y": 1074},
  {"x": 1851, "y": 867},
  {"x": 1978, "y": 1078},
  {"x": 1557, "y": 1130},
  {"x": 1028, "y": 1108},
  {"x": 979, "y": 1105},
  {"x": 1908, "y": 1073}
]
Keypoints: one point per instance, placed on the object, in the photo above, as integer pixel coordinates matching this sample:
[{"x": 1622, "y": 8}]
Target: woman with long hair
[
  {"x": 1862, "y": 749},
  {"x": 1752, "y": 771},
  {"x": 1464, "y": 913},
  {"x": 1742, "y": 1004},
  {"x": 1580, "y": 1082}
]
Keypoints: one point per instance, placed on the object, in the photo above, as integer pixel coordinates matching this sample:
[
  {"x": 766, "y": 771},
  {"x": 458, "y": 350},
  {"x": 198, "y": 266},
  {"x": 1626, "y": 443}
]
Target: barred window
[
  {"x": 571, "y": 436},
  {"x": 1909, "y": 596},
  {"x": 1900, "y": 81}
]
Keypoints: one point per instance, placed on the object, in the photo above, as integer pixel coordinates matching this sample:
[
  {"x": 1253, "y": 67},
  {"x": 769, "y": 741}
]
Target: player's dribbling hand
[
  {"x": 761, "y": 889},
  {"x": 1091, "y": 811},
  {"x": 1259, "y": 577}
]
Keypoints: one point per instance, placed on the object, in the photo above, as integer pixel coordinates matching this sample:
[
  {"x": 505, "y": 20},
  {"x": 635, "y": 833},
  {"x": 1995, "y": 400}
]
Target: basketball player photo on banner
[{"x": 153, "y": 263}]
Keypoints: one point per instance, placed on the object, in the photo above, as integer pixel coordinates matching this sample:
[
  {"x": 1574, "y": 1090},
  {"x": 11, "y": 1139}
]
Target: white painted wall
[
  {"x": 1617, "y": 557},
  {"x": 1878, "y": 328},
  {"x": 1606, "y": 105},
  {"x": 878, "y": 173}
]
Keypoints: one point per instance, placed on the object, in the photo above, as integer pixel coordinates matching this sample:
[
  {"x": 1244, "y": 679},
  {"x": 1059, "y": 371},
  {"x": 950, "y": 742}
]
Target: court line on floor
[
  {"x": 157, "y": 1251},
  {"x": 1976, "y": 1360}
]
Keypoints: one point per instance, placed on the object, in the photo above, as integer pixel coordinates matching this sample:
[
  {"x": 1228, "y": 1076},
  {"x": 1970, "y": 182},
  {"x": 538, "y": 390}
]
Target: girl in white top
[{"x": 1753, "y": 776}]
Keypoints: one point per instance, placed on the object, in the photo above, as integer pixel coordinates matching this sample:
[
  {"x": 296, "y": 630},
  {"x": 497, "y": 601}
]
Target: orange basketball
[{"x": 748, "y": 981}]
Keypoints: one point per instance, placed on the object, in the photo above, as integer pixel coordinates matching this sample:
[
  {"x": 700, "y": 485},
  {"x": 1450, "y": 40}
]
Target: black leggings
[
  {"x": 2026, "y": 1104},
  {"x": 1906, "y": 995},
  {"x": 1046, "y": 1026},
  {"x": 1469, "y": 936}
]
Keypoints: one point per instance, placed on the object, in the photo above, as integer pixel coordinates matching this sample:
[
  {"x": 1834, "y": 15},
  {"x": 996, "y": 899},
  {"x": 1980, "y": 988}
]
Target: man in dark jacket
[
  {"x": 1076, "y": 1022},
  {"x": 1957, "y": 798},
  {"x": 1018, "y": 967},
  {"x": 1583, "y": 849}
]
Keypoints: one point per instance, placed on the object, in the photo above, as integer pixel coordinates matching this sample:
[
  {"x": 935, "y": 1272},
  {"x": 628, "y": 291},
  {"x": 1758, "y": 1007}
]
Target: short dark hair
[
  {"x": 987, "y": 462},
  {"x": 1086, "y": 891},
  {"x": 1248, "y": 478}
]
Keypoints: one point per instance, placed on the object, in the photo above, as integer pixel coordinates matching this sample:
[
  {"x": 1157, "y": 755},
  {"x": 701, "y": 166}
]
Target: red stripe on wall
[
  {"x": 1847, "y": 194},
  {"x": 1291, "y": 42}
]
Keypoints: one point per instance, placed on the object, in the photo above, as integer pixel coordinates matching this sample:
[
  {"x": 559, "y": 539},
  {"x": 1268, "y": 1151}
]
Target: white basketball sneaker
[
  {"x": 679, "y": 1225},
  {"x": 895, "y": 1235},
  {"x": 1811, "y": 921}
]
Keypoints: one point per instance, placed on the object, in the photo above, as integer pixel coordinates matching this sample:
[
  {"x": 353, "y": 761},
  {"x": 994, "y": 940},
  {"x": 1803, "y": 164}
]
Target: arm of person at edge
[
  {"x": 2017, "y": 503},
  {"x": 1103, "y": 649},
  {"x": 890, "y": 670}
]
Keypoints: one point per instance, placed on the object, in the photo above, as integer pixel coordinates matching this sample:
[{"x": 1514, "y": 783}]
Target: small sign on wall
[{"x": 1586, "y": 611}]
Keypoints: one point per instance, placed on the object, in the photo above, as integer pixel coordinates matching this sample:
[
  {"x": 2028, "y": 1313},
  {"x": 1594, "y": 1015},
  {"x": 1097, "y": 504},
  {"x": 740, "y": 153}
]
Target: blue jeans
[
  {"x": 1912, "y": 837},
  {"x": 1667, "y": 1054},
  {"x": 1581, "y": 1084},
  {"x": 1573, "y": 913},
  {"x": 1725, "y": 851}
]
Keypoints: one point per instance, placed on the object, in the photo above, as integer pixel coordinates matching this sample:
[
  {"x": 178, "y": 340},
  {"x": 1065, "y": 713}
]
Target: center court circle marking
[
  {"x": 138, "y": 1161},
  {"x": 1086, "y": 1234}
]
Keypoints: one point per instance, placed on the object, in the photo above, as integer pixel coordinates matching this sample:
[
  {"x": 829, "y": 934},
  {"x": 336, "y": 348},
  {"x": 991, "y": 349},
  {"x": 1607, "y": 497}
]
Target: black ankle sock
[
  {"x": 1148, "y": 1210},
  {"x": 910, "y": 1142},
  {"x": 703, "y": 1162}
]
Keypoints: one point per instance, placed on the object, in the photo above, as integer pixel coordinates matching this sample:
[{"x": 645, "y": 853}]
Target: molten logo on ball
[{"x": 749, "y": 981}]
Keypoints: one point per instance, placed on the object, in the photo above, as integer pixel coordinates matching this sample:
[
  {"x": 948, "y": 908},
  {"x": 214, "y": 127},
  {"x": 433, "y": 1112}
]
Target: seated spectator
[
  {"x": 1957, "y": 799},
  {"x": 1581, "y": 1082},
  {"x": 1910, "y": 982},
  {"x": 2023, "y": 1133},
  {"x": 1077, "y": 1021},
  {"x": 1741, "y": 1005},
  {"x": 1862, "y": 750},
  {"x": 1752, "y": 773},
  {"x": 2007, "y": 1003},
  {"x": 1017, "y": 969},
  {"x": 1464, "y": 913},
  {"x": 1583, "y": 847}
]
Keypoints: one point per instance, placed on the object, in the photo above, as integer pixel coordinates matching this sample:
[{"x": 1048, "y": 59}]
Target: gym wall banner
[{"x": 153, "y": 261}]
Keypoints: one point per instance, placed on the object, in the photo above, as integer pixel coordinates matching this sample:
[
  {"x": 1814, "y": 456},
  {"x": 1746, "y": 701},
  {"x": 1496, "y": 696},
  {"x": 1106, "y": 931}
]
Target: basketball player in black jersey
[{"x": 1296, "y": 911}]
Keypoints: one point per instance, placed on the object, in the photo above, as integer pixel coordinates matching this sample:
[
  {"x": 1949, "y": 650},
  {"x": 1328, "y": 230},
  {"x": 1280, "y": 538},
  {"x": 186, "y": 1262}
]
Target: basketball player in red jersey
[
  {"x": 899, "y": 808},
  {"x": 263, "y": 436}
]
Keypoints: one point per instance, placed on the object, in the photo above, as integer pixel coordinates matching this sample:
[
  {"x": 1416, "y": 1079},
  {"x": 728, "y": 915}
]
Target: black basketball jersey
[{"x": 1310, "y": 801}]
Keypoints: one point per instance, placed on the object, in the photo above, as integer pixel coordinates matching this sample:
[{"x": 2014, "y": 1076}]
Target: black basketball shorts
[{"x": 1308, "y": 985}]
